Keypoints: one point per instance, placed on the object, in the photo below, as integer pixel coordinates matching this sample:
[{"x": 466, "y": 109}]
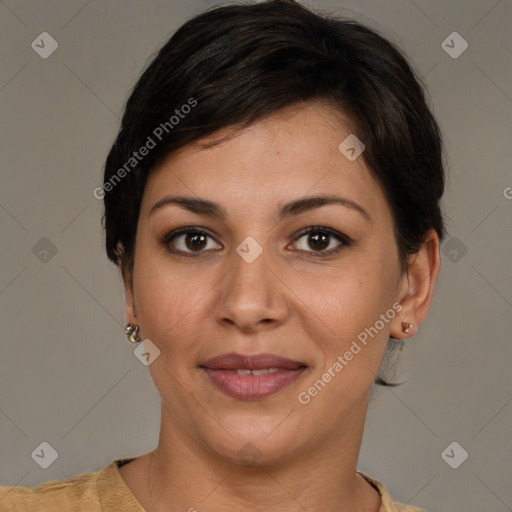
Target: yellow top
[{"x": 106, "y": 491}]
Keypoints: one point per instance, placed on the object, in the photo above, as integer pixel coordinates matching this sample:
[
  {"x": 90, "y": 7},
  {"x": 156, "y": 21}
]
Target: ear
[
  {"x": 130, "y": 311},
  {"x": 417, "y": 287}
]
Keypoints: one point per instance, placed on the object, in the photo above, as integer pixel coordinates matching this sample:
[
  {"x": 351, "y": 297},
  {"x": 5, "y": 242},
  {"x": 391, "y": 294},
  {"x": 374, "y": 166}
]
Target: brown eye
[
  {"x": 318, "y": 241},
  {"x": 323, "y": 241},
  {"x": 195, "y": 241},
  {"x": 188, "y": 240}
]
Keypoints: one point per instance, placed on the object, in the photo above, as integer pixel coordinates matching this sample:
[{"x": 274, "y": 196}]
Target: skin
[{"x": 291, "y": 301}]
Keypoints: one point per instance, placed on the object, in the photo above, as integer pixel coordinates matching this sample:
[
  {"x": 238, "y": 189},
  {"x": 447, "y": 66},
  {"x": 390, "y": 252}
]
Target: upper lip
[{"x": 234, "y": 361}]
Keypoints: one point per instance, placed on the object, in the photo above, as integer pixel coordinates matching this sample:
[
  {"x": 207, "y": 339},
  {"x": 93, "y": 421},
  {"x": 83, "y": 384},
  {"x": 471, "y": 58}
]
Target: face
[{"x": 274, "y": 274}]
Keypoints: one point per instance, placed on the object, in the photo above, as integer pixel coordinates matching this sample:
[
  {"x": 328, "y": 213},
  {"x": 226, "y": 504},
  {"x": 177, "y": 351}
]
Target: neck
[{"x": 183, "y": 475}]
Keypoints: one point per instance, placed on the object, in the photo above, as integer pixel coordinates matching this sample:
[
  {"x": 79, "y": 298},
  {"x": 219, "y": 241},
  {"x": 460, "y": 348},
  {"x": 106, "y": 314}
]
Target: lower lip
[{"x": 252, "y": 387}]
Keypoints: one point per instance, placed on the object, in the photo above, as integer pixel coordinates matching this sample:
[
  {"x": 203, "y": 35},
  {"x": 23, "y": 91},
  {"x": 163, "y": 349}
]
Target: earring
[
  {"x": 406, "y": 327},
  {"x": 132, "y": 332}
]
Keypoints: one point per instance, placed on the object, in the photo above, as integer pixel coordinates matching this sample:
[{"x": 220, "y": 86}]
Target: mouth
[{"x": 252, "y": 377}]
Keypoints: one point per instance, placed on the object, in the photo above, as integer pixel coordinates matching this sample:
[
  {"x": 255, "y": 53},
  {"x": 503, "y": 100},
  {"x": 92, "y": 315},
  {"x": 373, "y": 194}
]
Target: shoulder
[
  {"x": 78, "y": 493},
  {"x": 87, "y": 492},
  {"x": 387, "y": 503}
]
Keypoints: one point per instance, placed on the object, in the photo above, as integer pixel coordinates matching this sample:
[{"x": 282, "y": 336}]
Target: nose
[{"x": 251, "y": 296}]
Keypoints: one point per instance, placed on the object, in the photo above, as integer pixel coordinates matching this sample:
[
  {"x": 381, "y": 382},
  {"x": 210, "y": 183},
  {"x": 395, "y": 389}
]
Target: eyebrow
[{"x": 304, "y": 204}]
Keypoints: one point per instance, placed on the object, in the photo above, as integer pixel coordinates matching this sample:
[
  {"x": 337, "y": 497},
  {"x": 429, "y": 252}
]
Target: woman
[{"x": 272, "y": 201}]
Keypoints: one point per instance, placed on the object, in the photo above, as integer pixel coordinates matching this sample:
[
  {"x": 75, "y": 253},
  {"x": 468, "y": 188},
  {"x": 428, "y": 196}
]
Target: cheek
[
  {"x": 350, "y": 304},
  {"x": 353, "y": 295},
  {"x": 170, "y": 300},
  {"x": 332, "y": 303}
]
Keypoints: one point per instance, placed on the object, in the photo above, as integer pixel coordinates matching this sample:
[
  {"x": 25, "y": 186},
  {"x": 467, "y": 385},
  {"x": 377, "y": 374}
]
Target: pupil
[
  {"x": 197, "y": 241},
  {"x": 319, "y": 238}
]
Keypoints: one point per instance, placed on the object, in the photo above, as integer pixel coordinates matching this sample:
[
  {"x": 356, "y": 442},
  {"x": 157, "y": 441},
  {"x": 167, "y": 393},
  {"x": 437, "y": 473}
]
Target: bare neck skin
[{"x": 185, "y": 476}]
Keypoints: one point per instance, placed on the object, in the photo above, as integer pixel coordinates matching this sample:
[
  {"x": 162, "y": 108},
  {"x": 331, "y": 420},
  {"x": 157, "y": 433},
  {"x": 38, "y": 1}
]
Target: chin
[{"x": 251, "y": 440}]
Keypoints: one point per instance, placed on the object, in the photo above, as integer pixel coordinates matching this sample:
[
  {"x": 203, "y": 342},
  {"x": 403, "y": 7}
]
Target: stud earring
[
  {"x": 132, "y": 333},
  {"x": 406, "y": 326}
]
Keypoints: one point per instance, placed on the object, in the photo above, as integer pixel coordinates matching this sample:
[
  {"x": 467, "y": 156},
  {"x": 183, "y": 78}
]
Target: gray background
[{"x": 68, "y": 375}]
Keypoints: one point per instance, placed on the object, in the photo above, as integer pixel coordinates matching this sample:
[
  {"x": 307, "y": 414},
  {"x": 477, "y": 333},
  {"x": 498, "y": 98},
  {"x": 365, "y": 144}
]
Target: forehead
[{"x": 293, "y": 153}]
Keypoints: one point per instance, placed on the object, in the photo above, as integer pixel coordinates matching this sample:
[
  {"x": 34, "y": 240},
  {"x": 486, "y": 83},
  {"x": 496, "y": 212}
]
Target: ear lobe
[
  {"x": 417, "y": 287},
  {"x": 127, "y": 276},
  {"x": 130, "y": 311}
]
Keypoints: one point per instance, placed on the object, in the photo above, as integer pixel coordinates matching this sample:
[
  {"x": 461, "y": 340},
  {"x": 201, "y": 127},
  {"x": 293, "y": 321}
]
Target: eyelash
[{"x": 344, "y": 239}]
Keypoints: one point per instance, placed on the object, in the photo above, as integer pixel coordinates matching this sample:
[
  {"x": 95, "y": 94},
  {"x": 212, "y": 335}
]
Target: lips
[
  {"x": 252, "y": 377},
  {"x": 235, "y": 361}
]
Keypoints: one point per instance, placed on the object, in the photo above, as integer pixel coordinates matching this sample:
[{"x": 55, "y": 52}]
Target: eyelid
[
  {"x": 171, "y": 235},
  {"x": 330, "y": 231},
  {"x": 344, "y": 239}
]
